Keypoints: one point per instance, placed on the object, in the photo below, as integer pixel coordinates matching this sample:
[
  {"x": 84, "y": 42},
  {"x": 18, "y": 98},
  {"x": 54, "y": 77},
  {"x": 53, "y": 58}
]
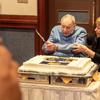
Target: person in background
[
  {"x": 9, "y": 86},
  {"x": 94, "y": 40},
  {"x": 63, "y": 37}
]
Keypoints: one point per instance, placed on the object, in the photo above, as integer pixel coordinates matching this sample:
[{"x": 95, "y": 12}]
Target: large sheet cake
[{"x": 53, "y": 65}]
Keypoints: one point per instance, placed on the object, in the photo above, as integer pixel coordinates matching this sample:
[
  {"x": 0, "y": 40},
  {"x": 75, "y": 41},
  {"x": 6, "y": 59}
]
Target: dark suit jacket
[{"x": 95, "y": 42}]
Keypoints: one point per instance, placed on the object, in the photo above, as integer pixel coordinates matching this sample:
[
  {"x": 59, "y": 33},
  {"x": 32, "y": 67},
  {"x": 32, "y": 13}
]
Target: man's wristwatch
[{"x": 56, "y": 47}]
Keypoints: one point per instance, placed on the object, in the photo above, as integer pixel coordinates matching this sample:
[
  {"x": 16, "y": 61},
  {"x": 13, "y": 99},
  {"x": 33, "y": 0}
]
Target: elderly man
[{"x": 63, "y": 37}]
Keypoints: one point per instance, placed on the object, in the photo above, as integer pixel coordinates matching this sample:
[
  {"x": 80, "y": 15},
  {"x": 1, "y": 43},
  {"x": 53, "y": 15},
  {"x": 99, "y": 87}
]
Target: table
[{"x": 31, "y": 91}]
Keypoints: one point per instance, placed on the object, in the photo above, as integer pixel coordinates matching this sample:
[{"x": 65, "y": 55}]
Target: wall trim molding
[{"x": 18, "y": 21}]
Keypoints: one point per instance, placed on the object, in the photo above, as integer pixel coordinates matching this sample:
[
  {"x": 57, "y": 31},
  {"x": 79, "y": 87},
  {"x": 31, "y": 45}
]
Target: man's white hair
[{"x": 69, "y": 17}]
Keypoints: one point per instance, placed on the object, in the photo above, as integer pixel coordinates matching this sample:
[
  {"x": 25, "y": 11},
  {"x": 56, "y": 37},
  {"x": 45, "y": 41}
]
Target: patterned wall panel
[{"x": 20, "y": 42}]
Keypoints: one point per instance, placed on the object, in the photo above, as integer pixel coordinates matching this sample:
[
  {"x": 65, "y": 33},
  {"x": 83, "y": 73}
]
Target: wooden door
[{"x": 83, "y": 10}]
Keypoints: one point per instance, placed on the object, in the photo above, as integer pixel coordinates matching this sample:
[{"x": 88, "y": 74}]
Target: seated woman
[{"x": 95, "y": 41}]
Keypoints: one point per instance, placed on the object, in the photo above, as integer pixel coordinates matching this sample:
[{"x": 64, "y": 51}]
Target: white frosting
[{"x": 77, "y": 66}]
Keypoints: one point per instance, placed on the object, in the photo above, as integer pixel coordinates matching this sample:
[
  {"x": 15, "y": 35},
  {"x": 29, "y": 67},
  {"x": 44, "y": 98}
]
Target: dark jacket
[{"x": 95, "y": 42}]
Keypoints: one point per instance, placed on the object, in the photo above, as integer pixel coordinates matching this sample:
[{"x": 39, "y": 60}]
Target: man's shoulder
[
  {"x": 57, "y": 27},
  {"x": 80, "y": 28}
]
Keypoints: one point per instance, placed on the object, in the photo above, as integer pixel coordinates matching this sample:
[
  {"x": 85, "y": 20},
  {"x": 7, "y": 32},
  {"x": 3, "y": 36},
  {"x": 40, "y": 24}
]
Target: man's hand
[
  {"x": 51, "y": 46},
  {"x": 78, "y": 48}
]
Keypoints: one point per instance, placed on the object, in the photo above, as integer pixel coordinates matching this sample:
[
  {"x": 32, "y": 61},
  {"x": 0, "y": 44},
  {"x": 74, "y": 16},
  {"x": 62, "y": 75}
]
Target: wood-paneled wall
[
  {"x": 21, "y": 22},
  {"x": 18, "y": 21}
]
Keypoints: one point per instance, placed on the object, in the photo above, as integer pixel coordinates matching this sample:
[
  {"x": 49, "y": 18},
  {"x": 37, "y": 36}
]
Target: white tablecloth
[{"x": 32, "y": 91}]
